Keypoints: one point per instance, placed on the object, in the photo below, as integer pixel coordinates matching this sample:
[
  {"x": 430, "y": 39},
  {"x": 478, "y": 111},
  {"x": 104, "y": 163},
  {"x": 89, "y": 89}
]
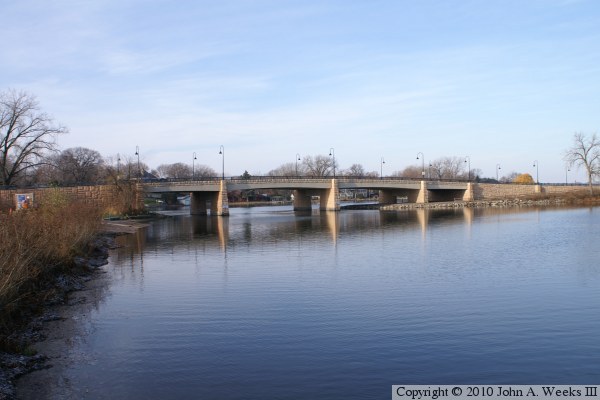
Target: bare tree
[
  {"x": 26, "y": 134},
  {"x": 287, "y": 169},
  {"x": 318, "y": 166},
  {"x": 475, "y": 173},
  {"x": 585, "y": 152},
  {"x": 204, "y": 171},
  {"x": 355, "y": 170},
  {"x": 509, "y": 178},
  {"x": 447, "y": 168},
  {"x": 185, "y": 171},
  {"x": 176, "y": 170},
  {"x": 129, "y": 167},
  {"x": 80, "y": 165},
  {"x": 46, "y": 173},
  {"x": 412, "y": 171}
]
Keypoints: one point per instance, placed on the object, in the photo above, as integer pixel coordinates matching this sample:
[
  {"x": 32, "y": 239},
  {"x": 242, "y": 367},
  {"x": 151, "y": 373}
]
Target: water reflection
[
  {"x": 272, "y": 225},
  {"x": 269, "y": 303}
]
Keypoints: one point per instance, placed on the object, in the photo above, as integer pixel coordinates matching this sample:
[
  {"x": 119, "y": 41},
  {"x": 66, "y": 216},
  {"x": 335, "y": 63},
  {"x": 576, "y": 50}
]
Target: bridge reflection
[{"x": 272, "y": 228}]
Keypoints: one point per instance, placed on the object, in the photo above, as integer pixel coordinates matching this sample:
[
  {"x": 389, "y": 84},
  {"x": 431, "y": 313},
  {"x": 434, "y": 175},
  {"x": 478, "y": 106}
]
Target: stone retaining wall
[
  {"x": 483, "y": 191},
  {"x": 114, "y": 199},
  {"x": 489, "y": 191}
]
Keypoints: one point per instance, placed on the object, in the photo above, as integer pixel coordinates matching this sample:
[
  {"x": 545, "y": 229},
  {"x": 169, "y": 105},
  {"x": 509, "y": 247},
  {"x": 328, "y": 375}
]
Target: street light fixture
[
  {"x": 468, "y": 159},
  {"x": 381, "y": 167},
  {"x": 497, "y": 169},
  {"x": 422, "y": 163},
  {"x": 297, "y": 159},
  {"x": 332, "y": 154},
  {"x": 137, "y": 153},
  {"x": 567, "y": 169},
  {"x": 193, "y": 166},
  {"x": 222, "y": 152},
  {"x": 536, "y": 164}
]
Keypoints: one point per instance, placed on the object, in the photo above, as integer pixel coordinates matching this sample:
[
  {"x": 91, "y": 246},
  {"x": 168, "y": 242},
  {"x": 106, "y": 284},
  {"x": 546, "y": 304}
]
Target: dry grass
[
  {"x": 580, "y": 197},
  {"x": 35, "y": 243}
]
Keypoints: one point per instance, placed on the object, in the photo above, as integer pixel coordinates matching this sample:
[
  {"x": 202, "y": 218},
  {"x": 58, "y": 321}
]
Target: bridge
[{"x": 212, "y": 194}]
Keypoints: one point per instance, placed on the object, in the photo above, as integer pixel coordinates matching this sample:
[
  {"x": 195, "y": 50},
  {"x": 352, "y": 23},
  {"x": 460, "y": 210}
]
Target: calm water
[{"x": 269, "y": 304}]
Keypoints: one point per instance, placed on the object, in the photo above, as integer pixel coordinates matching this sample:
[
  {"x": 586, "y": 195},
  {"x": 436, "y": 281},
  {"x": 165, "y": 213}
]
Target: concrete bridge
[
  {"x": 124, "y": 196},
  {"x": 212, "y": 194}
]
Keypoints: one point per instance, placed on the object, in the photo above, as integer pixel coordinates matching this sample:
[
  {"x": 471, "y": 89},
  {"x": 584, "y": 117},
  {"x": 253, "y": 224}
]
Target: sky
[{"x": 506, "y": 83}]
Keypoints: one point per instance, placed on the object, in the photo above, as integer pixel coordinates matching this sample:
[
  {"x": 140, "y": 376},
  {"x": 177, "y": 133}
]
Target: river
[{"x": 272, "y": 304}]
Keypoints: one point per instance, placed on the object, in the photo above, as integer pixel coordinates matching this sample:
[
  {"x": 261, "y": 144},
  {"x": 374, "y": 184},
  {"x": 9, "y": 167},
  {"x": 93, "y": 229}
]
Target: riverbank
[
  {"x": 46, "y": 255},
  {"x": 18, "y": 356}
]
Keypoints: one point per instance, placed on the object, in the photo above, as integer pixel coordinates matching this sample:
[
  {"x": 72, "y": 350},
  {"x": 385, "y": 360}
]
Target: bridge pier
[
  {"x": 219, "y": 204},
  {"x": 329, "y": 198},
  {"x": 423, "y": 196},
  {"x": 302, "y": 200}
]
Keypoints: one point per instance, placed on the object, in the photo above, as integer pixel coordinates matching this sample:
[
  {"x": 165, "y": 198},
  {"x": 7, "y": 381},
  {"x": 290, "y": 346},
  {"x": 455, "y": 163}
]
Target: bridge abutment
[{"x": 468, "y": 196}]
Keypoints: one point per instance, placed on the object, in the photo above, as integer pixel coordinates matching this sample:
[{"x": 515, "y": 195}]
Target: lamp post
[
  {"x": 118, "y": 164},
  {"x": 381, "y": 168},
  {"x": 332, "y": 154},
  {"x": 468, "y": 159},
  {"x": 497, "y": 169},
  {"x": 297, "y": 159},
  {"x": 193, "y": 166},
  {"x": 536, "y": 164},
  {"x": 222, "y": 152},
  {"x": 137, "y": 153},
  {"x": 567, "y": 169},
  {"x": 422, "y": 164}
]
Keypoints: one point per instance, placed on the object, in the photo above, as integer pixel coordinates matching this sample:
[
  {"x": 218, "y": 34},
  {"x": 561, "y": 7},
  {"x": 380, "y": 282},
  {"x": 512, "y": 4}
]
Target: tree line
[{"x": 29, "y": 155}]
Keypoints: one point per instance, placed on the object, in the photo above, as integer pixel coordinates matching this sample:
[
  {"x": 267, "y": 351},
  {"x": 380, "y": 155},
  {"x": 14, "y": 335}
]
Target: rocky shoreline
[
  {"x": 480, "y": 204},
  {"x": 57, "y": 292},
  {"x": 557, "y": 201}
]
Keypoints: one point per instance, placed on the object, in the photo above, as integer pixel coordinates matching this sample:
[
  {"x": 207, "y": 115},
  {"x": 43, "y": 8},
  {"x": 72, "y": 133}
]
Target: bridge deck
[{"x": 298, "y": 183}]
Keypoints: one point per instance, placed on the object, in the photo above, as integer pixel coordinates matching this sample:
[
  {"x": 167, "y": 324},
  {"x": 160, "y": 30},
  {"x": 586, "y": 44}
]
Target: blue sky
[{"x": 503, "y": 82}]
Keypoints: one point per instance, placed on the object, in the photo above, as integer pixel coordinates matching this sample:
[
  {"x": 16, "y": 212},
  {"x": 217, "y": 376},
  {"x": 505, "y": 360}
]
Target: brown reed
[{"x": 34, "y": 245}]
